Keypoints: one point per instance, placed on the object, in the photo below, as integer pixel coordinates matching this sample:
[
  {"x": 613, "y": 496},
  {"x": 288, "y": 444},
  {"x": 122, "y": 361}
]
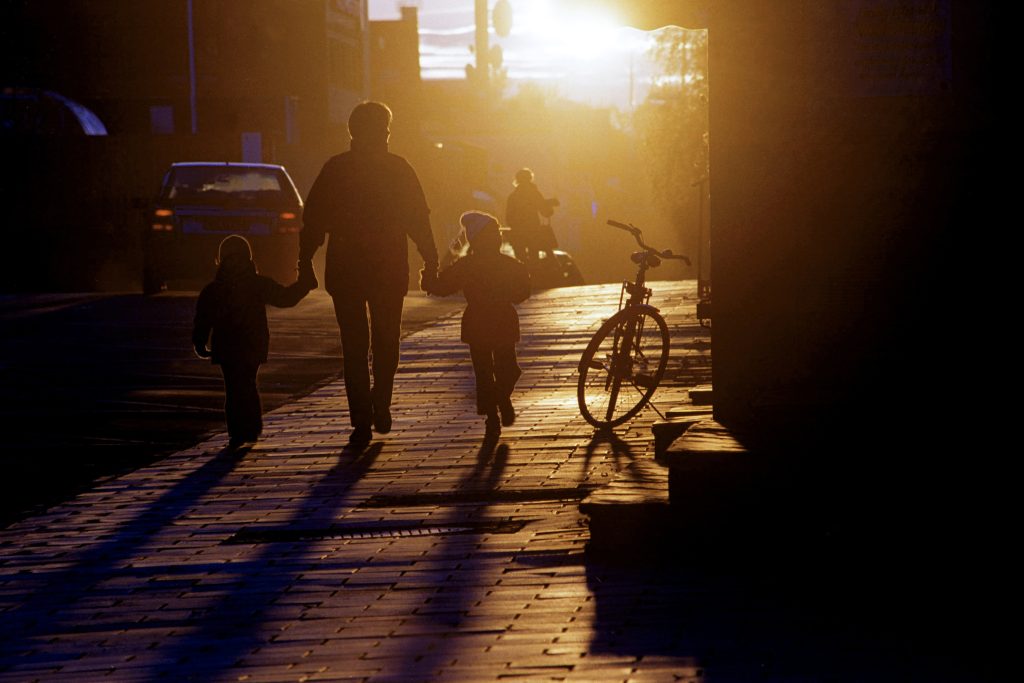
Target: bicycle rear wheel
[{"x": 622, "y": 366}]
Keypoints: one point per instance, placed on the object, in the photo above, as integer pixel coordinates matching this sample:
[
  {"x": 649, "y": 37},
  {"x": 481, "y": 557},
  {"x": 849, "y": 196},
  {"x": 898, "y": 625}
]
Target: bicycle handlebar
[
  {"x": 622, "y": 226},
  {"x": 637, "y": 235}
]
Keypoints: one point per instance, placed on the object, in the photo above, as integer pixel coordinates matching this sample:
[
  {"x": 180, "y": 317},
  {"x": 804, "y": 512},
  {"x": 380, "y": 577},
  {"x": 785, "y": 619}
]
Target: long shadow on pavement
[
  {"x": 620, "y": 451},
  {"x": 229, "y": 627},
  {"x": 45, "y": 610},
  {"x": 438, "y": 630}
]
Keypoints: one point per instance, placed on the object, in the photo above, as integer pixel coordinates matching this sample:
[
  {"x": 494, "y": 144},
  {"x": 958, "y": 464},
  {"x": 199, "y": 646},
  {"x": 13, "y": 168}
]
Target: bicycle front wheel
[{"x": 622, "y": 366}]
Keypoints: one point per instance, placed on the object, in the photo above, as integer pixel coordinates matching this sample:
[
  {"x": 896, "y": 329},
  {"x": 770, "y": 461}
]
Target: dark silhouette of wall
[
  {"x": 861, "y": 288},
  {"x": 844, "y": 138},
  {"x": 852, "y": 145}
]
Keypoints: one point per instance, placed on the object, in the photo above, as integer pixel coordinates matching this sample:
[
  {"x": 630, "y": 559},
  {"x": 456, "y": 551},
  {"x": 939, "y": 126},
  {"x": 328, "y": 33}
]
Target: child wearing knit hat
[
  {"x": 492, "y": 283},
  {"x": 231, "y": 329}
]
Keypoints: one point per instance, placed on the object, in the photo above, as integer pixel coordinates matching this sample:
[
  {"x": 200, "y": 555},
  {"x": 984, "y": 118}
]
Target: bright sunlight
[{"x": 567, "y": 34}]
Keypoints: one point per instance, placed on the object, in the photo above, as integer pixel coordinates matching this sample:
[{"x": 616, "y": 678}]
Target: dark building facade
[
  {"x": 168, "y": 67},
  {"x": 172, "y": 80},
  {"x": 395, "y": 64},
  {"x": 855, "y": 149},
  {"x": 844, "y": 140}
]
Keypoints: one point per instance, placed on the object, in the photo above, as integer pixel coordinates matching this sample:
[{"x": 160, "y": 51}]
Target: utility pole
[
  {"x": 487, "y": 69},
  {"x": 481, "y": 46},
  {"x": 192, "y": 70}
]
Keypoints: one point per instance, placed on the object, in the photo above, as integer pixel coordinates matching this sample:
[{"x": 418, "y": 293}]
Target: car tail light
[
  {"x": 287, "y": 222},
  {"x": 162, "y": 220}
]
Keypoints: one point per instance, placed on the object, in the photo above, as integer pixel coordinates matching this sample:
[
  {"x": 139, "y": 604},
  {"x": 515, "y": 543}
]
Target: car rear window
[{"x": 206, "y": 184}]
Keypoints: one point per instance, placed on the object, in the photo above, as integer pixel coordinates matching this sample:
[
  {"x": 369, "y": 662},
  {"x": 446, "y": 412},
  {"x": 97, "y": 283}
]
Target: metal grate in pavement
[
  {"x": 487, "y": 497},
  {"x": 363, "y": 531}
]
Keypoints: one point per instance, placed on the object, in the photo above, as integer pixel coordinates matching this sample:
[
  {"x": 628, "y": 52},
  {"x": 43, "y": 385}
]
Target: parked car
[
  {"x": 200, "y": 203},
  {"x": 557, "y": 269}
]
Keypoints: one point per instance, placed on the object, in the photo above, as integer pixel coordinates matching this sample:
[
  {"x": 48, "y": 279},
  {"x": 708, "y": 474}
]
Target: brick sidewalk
[{"x": 426, "y": 557}]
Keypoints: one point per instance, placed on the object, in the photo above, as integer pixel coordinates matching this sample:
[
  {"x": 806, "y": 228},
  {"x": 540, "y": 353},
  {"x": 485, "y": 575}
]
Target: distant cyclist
[{"x": 523, "y": 212}]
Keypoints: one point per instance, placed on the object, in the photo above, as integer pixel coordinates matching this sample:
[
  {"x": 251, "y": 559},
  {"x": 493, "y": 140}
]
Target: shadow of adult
[
  {"x": 448, "y": 611},
  {"x": 491, "y": 461},
  {"x": 231, "y": 626}
]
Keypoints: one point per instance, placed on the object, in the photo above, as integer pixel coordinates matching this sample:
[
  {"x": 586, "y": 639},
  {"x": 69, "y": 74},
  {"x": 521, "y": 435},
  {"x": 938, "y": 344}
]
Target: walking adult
[
  {"x": 370, "y": 202},
  {"x": 523, "y": 212}
]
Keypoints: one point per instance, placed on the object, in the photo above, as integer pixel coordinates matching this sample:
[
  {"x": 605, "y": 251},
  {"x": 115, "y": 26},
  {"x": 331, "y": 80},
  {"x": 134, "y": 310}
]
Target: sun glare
[{"x": 580, "y": 35}]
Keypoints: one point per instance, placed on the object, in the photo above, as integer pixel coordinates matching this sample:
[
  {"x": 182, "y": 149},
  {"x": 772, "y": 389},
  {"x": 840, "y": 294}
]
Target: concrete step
[
  {"x": 630, "y": 515},
  {"x": 718, "y": 486},
  {"x": 688, "y": 410},
  {"x": 677, "y": 421},
  {"x": 702, "y": 395},
  {"x": 702, "y": 488}
]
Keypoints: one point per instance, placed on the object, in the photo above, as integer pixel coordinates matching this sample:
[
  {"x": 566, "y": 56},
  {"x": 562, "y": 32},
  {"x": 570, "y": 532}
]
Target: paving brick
[{"x": 140, "y": 579}]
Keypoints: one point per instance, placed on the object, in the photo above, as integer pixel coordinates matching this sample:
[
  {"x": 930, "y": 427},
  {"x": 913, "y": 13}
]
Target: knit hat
[
  {"x": 234, "y": 246},
  {"x": 476, "y": 223}
]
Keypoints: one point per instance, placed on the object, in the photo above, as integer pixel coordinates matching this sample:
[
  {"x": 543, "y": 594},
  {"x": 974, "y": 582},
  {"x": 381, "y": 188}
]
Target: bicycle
[{"x": 625, "y": 360}]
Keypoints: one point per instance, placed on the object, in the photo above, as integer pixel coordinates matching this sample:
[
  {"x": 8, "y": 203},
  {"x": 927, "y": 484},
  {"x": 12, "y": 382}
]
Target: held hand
[
  {"x": 202, "y": 351},
  {"x": 306, "y": 275},
  {"x": 428, "y": 278}
]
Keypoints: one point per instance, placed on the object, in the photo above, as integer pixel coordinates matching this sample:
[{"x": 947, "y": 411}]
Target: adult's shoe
[
  {"x": 360, "y": 436},
  {"x": 382, "y": 419},
  {"x": 508, "y": 413}
]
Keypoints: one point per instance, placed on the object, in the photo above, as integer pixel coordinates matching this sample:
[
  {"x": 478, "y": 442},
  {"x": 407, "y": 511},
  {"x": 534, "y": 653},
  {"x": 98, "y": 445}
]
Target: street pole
[
  {"x": 703, "y": 283},
  {"x": 192, "y": 71},
  {"x": 481, "y": 44}
]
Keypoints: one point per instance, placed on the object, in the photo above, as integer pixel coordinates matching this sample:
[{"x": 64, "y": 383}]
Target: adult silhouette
[
  {"x": 523, "y": 211},
  {"x": 369, "y": 201}
]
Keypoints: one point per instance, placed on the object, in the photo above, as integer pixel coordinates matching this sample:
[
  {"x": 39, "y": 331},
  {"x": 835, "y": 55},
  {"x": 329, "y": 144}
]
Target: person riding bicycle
[{"x": 523, "y": 212}]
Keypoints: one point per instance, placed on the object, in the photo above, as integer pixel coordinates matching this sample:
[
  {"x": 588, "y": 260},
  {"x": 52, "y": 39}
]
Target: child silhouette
[
  {"x": 231, "y": 329},
  {"x": 491, "y": 282}
]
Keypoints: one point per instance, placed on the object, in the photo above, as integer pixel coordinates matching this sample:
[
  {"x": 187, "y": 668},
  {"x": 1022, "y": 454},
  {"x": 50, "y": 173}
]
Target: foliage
[{"x": 672, "y": 124}]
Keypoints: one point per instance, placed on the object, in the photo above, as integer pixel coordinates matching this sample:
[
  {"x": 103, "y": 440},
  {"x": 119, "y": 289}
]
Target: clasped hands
[{"x": 428, "y": 277}]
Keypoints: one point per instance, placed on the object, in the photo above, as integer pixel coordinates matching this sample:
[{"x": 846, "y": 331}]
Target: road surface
[{"x": 95, "y": 384}]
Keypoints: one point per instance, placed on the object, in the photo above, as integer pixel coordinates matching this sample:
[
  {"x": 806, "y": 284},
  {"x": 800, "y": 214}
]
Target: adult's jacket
[
  {"x": 491, "y": 282},
  {"x": 370, "y": 202}
]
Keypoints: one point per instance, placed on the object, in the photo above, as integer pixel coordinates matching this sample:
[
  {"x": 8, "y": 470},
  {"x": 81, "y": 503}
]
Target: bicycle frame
[
  {"x": 638, "y": 292},
  {"x": 622, "y": 365},
  {"x": 626, "y": 362}
]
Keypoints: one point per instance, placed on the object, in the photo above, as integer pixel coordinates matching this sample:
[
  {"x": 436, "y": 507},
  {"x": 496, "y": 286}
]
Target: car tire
[
  {"x": 573, "y": 276},
  {"x": 151, "y": 284}
]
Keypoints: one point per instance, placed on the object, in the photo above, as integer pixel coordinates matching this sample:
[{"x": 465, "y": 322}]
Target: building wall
[
  {"x": 395, "y": 65},
  {"x": 287, "y": 70},
  {"x": 843, "y": 136},
  {"x": 853, "y": 149}
]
